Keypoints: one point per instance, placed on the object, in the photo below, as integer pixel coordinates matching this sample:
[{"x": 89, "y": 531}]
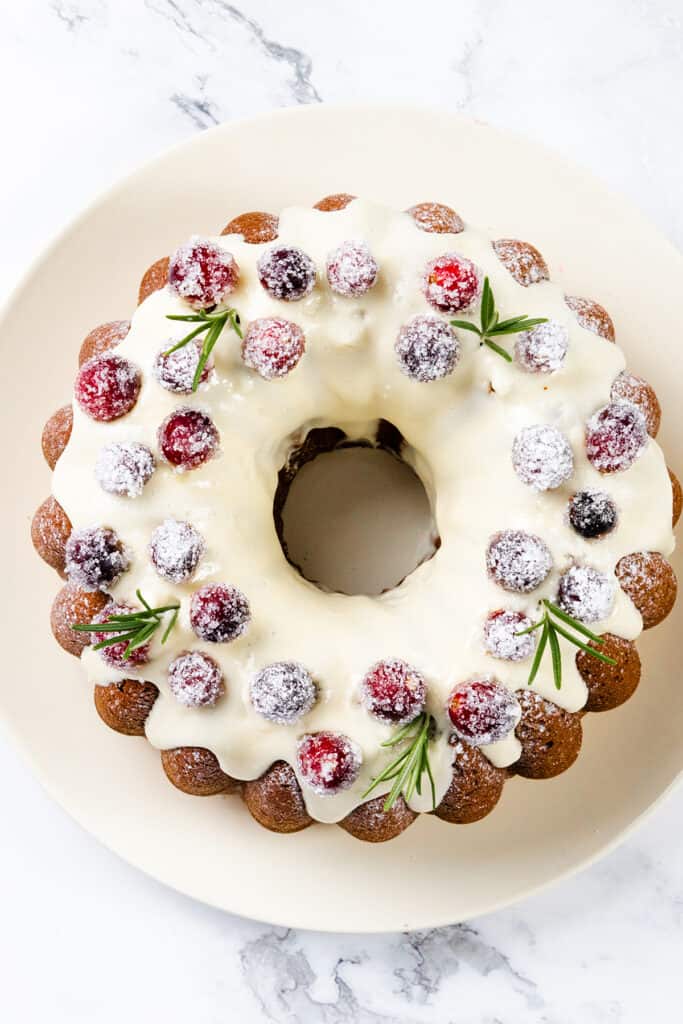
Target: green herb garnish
[
  {"x": 135, "y": 627},
  {"x": 550, "y": 630},
  {"x": 211, "y": 323},
  {"x": 410, "y": 765},
  {"x": 491, "y": 327}
]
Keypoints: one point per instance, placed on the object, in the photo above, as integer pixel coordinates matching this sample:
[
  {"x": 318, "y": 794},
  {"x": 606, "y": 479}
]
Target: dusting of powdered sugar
[
  {"x": 427, "y": 348},
  {"x": 195, "y": 679},
  {"x": 283, "y": 692},
  {"x": 586, "y": 594},
  {"x": 502, "y": 639},
  {"x": 542, "y": 457},
  {"x": 351, "y": 269},
  {"x": 518, "y": 561},
  {"x": 543, "y": 348},
  {"x": 522, "y": 260},
  {"x": 175, "y": 549},
  {"x": 124, "y": 468}
]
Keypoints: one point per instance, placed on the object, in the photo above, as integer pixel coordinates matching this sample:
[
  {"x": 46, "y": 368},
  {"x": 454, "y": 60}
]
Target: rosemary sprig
[
  {"x": 210, "y": 323},
  {"x": 492, "y": 327},
  {"x": 411, "y": 764},
  {"x": 135, "y": 627},
  {"x": 550, "y": 630}
]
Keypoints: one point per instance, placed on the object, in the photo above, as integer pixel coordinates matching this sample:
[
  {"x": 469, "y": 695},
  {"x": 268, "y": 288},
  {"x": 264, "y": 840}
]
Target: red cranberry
[
  {"x": 328, "y": 761},
  {"x": 95, "y": 558},
  {"x": 115, "y": 654},
  {"x": 427, "y": 348},
  {"x": 518, "y": 561},
  {"x": 283, "y": 692},
  {"x": 501, "y": 638},
  {"x": 451, "y": 283},
  {"x": 483, "y": 711},
  {"x": 202, "y": 273},
  {"x": 286, "y": 273},
  {"x": 273, "y": 346},
  {"x": 195, "y": 679},
  {"x": 393, "y": 691},
  {"x": 219, "y": 613},
  {"x": 351, "y": 269},
  {"x": 175, "y": 549},
  {"x": 107, "y": 387},
  {"x": 124, "y": 467},
  {"x": 615, "y": 436},
  {"x": 188, "y": 438},
  {"x": 176, "y": 371}
]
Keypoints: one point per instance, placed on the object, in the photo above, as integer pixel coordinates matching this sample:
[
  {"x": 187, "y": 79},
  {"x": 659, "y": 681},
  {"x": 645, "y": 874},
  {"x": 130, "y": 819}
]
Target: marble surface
[{"x": 93, "y": 87}]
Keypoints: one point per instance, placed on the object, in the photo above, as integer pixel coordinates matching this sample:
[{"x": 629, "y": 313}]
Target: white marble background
[{"x": 89, "y": 89}]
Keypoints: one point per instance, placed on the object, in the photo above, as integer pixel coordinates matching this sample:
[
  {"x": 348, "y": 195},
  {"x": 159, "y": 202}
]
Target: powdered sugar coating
[
  {"x": 175, "y": 549},
  {"x": 591, "y": 316},
  {"x": 436, "y": 219},
  {"x": 522, "y": 260},
  {"x": 124, "y": 467},
  {"x": 273, "y": 346},
  {"x": 188, "y": 438},
  {"x": 393, "y": 691},
  {"x": 328, "y": 761},
  {"x": 629, "y": 388},
  {"x": 592, "y": 514},
  {"x": 115, "y": 654},
  {"x": 586, "y": 594},
  {"x": 107, "y": 387},
  {"x": 95, "y": 558},
  {"x": 351, "y": 269},
  {"x": 427, "y": 348},
  {"x": 501, "y": 638},
  {"x": 542, "y": 349},
  {"x": 175, "y": 371},
  {"x": 542, "y": 457},
  {"x": 195, "y": 680},
  {"x": 518, "y": 561},
  {"x": 615, "y": 436},
  {"x": 483, "y": 711},
  {"x": 202, "y": 273},
  {"x": 283, "y": 692},
  {"x": 286, "y": 273},
  {"x": 219, "y": 613},
  {"x": 451, "y": 283}
]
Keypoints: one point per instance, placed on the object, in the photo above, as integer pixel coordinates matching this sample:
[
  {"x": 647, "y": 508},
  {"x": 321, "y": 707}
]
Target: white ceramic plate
[{"x": 596, "y": 244}]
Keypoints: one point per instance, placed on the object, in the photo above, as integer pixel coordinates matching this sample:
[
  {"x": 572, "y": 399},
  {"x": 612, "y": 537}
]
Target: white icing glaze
[{"x": 460, "y": 434}]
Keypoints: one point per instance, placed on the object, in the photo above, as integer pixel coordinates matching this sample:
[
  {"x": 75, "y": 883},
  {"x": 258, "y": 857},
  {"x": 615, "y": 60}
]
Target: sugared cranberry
[
  {"x": 427, "y": 348},
  {"x": 188, "y": 438},
  {"x": 176, "y": 371},
  {"x": 283, "y": 692},
  {"x": 95, "y": 558},
  {"x": 592, "y": 513},
  {"x": 351, "y": 269},
  {"x": 175, "y": 549},
  {"x": 615, "y": 436},
  {"x": 202, "y": 273},
  {"x": 627, "y": 387},
  {"x": 518, "y": 561},
  {"x": 273, "y": 346},
  {"x": 451, "y": 283},
  {"x": 219, "y": 613},
  {"x": 393, "y": 691},
  {"x": 483, "y": 711},
  {"x": 286, "y": 273},
  {"x": 107, "y": 387},
  {"x": 542, "y": 457},
  {"x": 114, "y": 654},
  {"x": 328, "y": 761},
  {"x": 195, "y": 679},
  {"x": 501, "y": 635},
  {"x": 586, "y": 594},
  {"x": 543, "y": 348},
  {"x": 124, "y": 467}
]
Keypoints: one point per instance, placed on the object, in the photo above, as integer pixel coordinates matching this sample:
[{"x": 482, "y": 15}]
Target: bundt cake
[{"x": 250, "y": 353}]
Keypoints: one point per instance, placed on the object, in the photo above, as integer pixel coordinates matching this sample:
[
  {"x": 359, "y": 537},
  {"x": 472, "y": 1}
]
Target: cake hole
[{"x": 356, "y": 519}]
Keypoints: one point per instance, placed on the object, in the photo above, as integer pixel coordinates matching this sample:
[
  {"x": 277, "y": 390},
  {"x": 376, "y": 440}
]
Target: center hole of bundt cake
[{"x": 352, "y": 516}]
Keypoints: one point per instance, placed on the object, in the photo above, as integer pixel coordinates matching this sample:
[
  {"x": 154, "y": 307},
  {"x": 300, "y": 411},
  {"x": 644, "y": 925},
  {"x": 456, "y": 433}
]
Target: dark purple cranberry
[
  {"x": 219, "y": 613},
  {"x": 592, "y": 513},
  {"x": 95, "y": 558},
  {"x": 195, "y": 679},
  {"x": 175, "y": 549},
  {"x": 286, "y": 273},
  {"x": 283, "y": 692}
]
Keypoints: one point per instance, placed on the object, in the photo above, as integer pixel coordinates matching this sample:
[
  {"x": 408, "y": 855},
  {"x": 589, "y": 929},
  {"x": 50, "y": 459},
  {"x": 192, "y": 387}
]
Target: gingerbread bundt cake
[{"x": 252, "y": 352}]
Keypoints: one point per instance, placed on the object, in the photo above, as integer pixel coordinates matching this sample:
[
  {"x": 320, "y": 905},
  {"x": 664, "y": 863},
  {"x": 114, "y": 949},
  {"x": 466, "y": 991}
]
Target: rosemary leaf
[
  {"x": 556, "y": 655},
  {"x": 536, "y": 664}
]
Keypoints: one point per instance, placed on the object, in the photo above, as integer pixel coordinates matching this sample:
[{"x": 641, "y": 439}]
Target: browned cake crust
[
  {"x": 371, "y": 823},
  {"x": 255, "y": 227},
  {"x": 154, "y": 278},
  {"x": 69, "y": 607},
  {"x": 196, "y": 771},
  {"x": 550, "y": 737},
  {"x": 676, "y": 497},
  {"x": 337, "y": 201},
  {"x": 475, "y": 788},
  {"x": 650, "y": 582},
  {"x": 275, "y": 800},
  {"x": 629, "y": 388},
  {"x": 610, "y": 685},
  {"x": 436, "y": 218},
  {"x": 522, "y": 260},
  {"x": 56, "y": 434},
  {"x": 124, "y": 706},
  {"x": 50, "y": 530},
  {"x": 103, "y": 338},
  {"x": 592, "y": 316}
]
